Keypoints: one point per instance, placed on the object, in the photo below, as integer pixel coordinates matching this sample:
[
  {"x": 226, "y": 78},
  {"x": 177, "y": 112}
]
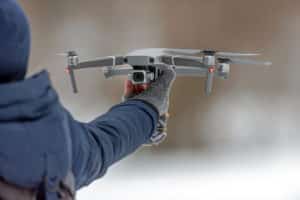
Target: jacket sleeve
[{"x": 107, "y": 139}]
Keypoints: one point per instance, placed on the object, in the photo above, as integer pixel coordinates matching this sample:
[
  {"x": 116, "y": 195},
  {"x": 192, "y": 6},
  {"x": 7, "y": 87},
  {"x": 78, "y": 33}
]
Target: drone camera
[{"x": 141, "y": 77}]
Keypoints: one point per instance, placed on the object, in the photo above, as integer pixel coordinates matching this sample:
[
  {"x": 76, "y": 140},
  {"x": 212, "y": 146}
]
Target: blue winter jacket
[{"x": 40, "y": 140}]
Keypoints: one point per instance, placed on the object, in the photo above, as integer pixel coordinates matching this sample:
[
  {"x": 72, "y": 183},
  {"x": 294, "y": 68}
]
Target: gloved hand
[{"x": 157, "y": 93}]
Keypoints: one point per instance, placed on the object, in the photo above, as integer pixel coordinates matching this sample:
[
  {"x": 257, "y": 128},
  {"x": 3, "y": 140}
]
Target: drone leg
[
  {"x": 209, "y": 83},
  {"x": 73, "y": 80}
]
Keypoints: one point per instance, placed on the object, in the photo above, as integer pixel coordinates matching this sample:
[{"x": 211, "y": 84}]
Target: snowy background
[{"x": 192, "y": 175}]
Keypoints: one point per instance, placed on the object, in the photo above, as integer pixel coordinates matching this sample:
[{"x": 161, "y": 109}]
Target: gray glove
[{"x": 158, "y": 93}]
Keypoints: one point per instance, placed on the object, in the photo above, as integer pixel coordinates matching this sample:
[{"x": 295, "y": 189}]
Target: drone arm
[
  {"x": 189, "y": 61},
  {"x": 101, "y": 62},
  {"x": 73, "y": 64},
  {"x": 190, "y": 71}
]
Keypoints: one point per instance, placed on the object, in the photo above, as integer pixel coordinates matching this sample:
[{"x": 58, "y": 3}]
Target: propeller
[
  {"x": 67, "y": 53},
  {"x": 231, "y": 54},
  {"x": 170, "y": 51},
  {"x": 183, "y": 51},
  {"x": 198, "y": 51},
  {"x": 212, "y": 52},
  {"x": 165, "y": 51},
  {"x": 240, "y": 61},
  {"x": 228, "y": 54},
  {"x": 62, "y": 54}
]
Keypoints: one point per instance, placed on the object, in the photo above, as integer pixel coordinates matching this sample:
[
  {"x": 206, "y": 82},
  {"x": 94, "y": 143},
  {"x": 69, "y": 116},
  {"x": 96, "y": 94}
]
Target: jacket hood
[
  {"x": 28, "y": 99},
  {"x": 14, "y": 40}
]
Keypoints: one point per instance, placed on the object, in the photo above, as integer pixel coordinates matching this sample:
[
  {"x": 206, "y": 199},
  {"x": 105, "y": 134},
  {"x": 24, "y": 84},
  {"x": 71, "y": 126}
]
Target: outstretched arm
[{"x": 99, "y": 144}]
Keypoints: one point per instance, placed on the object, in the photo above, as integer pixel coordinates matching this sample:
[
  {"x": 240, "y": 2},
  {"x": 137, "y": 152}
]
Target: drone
[{"x": 144, "y": 66}]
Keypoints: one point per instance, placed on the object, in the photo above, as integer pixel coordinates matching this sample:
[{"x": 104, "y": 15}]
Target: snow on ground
[{"x": 190, "y": 175}]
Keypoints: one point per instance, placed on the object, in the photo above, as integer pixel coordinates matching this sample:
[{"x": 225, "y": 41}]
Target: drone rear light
[
  {"x": 67, "y": 70},
  {"x": 212, "y": 69}
]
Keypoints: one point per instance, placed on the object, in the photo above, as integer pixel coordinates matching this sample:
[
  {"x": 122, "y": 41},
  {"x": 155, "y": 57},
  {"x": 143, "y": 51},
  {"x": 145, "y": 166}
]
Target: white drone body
[{"x": 143, "y": 66}]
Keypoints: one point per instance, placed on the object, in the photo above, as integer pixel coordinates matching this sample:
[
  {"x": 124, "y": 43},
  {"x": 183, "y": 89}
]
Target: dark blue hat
[{"x": 14, "y": 41}]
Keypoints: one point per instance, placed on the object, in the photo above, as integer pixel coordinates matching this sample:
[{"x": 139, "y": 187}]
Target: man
[{"x": 44, "y": 152}]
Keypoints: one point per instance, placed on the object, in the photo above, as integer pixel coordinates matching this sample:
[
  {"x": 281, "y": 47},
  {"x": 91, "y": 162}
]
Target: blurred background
[{"x": 239, "y": 143}]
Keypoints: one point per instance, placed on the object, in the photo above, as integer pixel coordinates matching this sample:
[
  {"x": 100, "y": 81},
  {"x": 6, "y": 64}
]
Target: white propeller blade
[
  {"x": 231, "y": 54},
  {"x": 249, "y": 62},
  {"x": 164, "y": 51},
  {"x": 183, "y": 51},
  {"x": 62, "y": 54}
]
